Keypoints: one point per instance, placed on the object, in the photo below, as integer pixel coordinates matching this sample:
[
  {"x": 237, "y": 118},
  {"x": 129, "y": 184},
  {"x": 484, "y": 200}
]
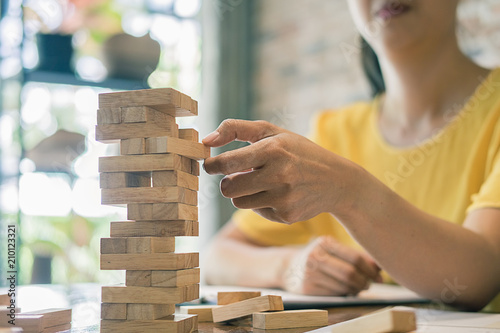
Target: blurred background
[{"x": 277, "y": 60}]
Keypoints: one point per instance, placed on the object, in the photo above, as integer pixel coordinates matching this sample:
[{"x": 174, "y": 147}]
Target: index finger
[
  {"x": 241, "y": 130},
  {"x": 238, "y": 160}
]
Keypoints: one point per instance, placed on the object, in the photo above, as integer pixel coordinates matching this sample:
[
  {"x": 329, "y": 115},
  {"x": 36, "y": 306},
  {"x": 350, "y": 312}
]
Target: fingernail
[{"x": 211, "y": 137}]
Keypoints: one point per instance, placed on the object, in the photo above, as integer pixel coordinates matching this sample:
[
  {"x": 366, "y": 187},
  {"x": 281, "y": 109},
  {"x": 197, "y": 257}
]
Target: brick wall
[{"x": 299, "y": 63}]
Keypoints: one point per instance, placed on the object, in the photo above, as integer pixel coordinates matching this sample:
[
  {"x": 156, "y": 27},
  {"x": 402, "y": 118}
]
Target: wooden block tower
[{"x": 156, "y": 177}]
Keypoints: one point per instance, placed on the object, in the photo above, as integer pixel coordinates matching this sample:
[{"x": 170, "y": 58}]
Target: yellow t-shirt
[{"x": 452, "y": 173}]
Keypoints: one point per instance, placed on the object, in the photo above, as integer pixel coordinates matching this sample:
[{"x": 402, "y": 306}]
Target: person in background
[{"x": 403, "y": 188}]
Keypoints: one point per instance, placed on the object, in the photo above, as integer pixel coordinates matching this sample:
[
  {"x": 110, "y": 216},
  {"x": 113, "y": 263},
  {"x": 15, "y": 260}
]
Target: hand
[
  {"x": 282, "y": 176},
  {"x": 326, "y": 267}
]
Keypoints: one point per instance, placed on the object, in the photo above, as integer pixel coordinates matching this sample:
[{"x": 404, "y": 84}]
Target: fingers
[
  {"x": 344, "y": 273},
  {"x": 239, "y": 160},
  {"x": 244, "y": 184},
  {"x": 241, "y": 130}
]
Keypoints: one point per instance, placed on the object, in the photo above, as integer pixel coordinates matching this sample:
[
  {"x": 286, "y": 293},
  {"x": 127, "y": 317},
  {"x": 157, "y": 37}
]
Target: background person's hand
[
  {"x": 326, "y": 267},
  {"x": 282, "y": 176}
]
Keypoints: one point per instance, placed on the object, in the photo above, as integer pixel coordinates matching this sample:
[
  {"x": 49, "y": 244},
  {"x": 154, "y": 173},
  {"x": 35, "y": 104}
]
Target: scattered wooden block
[
  {"x": 116, "y": 245},
  {"x": 170, "y": 324},
  {"x": 153, "y": 295},
  {"x": 56, "y": 329},
  {"x": 113, "y": 311},
  {"x": 110, "y": 133},
  {"x": 154, "y": 229},
  {"x": 165, "y": 144},
  {"x": 389, "y": 320},
  {"x": 29, "y": 323},
  {"x": 229, "y": 297},
  {"x": 125, "y": 179},
  {"x": 149, "y": 311},
  {"x": 165, "y": 100},
  {"x": 162, "y": 211},
  {"x": 135, "y": 146},
  {"x": 247, "y": 307},
  {"x": 175, "y": 178},
  {"x": 153, "y": 261},
  {"x": 189, "y": 134},
  {"x": 109, "y": 116},
  {"x": 290, "y": 319},
  {"x": 204, "y": 312},
  {"x": 4, "y": 299},
  {"x": 52, "y": 317},
  {"x": 144, "y": 163},
  {"x": 122, "y": 196},
  {"x": 177, "y": 278}
]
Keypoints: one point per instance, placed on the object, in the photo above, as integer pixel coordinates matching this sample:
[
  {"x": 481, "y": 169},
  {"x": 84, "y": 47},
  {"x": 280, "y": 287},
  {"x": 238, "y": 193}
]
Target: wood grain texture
[
  {"x": 138, "y": 278},
  {"x": 56, "y": 329},
  {"x": 162, "y": 211},
  {"x": 52, "y": 317},
  {"x": 28, "y": 322},
  {"x": 386, "y": 320},
  {"x": 113, "y": 311},
  {"x": 124, "y": 179},
  {"x": 229, "y": 297},
  {"x": 117, "y": 245},
  {"x": 163, "y": 145},
  {"x": 153, "y": 261},
  {"x": 109, "y": 116},
  {"x": 144, "y": 114},
  {"x": 149, "y": 311},
  {"x": 117, "y": 196},
  {"x": 204, "y": 312},
  {"x": 247, "y": 307},
  {"x": 135, "y": 146},
  {"x": 165, "y": 100},
  {"x": 110, "y": 133},
  {"x": 189, "y": 134},
  {"x": 290, "y": 319},
  {"x": 154, "y": 229},
  {"x": 175, "y": 178},
  {"x": 151, "y": 295},
  {"x": 183, "y": 277},
  {"x": 171, "y": 324},
  {"x": 195, "y": 168},
  {"x": 144, "y": 163}
]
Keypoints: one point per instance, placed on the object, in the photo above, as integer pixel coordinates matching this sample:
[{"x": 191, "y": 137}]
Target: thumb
[{"x": 240, "y": 130}]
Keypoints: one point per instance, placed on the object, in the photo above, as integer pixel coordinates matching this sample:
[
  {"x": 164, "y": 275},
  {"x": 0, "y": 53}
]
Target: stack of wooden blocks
[{"x": 156, "y": 177}]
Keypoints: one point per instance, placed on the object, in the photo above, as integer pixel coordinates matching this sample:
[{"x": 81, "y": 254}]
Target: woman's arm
[{"x": 294, "y": 179}]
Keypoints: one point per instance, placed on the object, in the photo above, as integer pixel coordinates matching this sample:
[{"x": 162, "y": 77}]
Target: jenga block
[
  {"x": 189, "y": 134},
  {"x": 228, "y": 297},
  {"x": 389, "y": 320},
  {"x": 153, "y": 295},
  {"x": 113, "y": 310},
  {"x": 110, "y": 133},
  {"x": 149, "y": 311},
  {"x": 143, "y": 114},
  {"x": 109, "y": 116},
  {"x": 138, "y": 278},
  {"x": 11, "y": 329},
  {"x": 125, "y": 179},
  {"x": 117, "y": 245},
  {"x": 135, "y": 146},
  {"x": 290, "y": 319},
  {"x": 162, "y": 211},
  {"x": 4, "y": 299},
  {"x": 204, "y": 312},
  {"x": 52, "y": 317},
  {"x": 169, "y": 324},
  {"x": 175, "y": 178},
  {"x": 154, "y": 229},
  {"x": 165, "y": 100},
  {"x": 177, "y": 278},
  {"x": 28, "y": 322},
  {"x": 58, "y": 328},
  {"x": 153, "y": 261},
  {"x": 162, "y": 145},
  {"x": 144, "y": 163},
  {"x": 195, "y": 168},
  {"x": 115, "y": 196},
  {"x": 247, "y": 307}
]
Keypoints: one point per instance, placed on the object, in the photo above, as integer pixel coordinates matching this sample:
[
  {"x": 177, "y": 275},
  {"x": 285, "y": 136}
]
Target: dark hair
[{"x": 371, "y": 68}]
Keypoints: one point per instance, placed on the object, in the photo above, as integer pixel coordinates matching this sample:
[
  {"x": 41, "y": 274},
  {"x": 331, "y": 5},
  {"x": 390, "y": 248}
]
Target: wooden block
[
  {"x": 229, "y": 297},
  {"x": 183, "y": 277},
  {"x": 138, "y": 278},
  {"x": 110, "y": 133},
  {"x": 153, "y": 261},
  {"x": 116, "y": 245},
  {"x": 125, "y": 179},
  {"x": 154, "y": 229},
  {"x": 162, "y": 211},
  {"x": 189, "y": 134},
  {"x": 153, "y": 295},
  {"x": 195, "y": 168},
  {"x": 175, "y": 178},
  {"x": 165, "y": 144},
  {"x": 290, "y": 319},
  {"x": 117, "y": 196},
  {"x": 4, "y": 299},
  {"x": 109, "y": 116},
  {"x": 52, "y": 317},
  {"x": 28, "y": 322},
  {"x": 135, "y": 146},
  {"x": 113, "y": 311},
  {"x": 247, "y": 307},
  {"x": 149, "y": 311},
  {"x": 144, "y": 114},
  {"x": 10, "y": 329},
  {"x": 204, "y": 312},
  {"x": 165, "y": 100},
  {"x": 170, "y": 324},
  {"x": 58, "y": 328},
  {"x": 389, "y": 320},
  {"x": 144, "y": 163}
]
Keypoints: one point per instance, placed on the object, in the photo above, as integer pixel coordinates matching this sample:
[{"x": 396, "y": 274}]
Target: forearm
[{"x": 433, "y": 257}]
